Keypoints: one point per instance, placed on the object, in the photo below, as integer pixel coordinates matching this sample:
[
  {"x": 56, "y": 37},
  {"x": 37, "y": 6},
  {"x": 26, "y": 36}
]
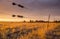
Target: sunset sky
[{"x": 34, "y": 10}]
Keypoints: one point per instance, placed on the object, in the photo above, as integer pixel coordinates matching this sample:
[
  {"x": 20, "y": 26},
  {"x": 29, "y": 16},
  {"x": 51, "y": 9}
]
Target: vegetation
[
  {"x": 16, "y": 30},
  {"x": 53, "y": 34},
  {"x": 16, "y": 33}
]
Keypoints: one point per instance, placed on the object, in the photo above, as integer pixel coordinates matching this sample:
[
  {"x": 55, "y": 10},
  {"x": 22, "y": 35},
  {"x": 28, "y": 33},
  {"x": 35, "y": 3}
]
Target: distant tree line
[
  {"x": 57, "y": 21},
  {"x": 32, "y": 21}
]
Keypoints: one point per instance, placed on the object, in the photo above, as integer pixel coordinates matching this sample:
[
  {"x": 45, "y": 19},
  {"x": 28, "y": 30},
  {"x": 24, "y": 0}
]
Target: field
[{"x": 18, "y": 30}]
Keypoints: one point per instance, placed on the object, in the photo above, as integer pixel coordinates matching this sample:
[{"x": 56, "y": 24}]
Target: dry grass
[{"x": 38, "y": 29}]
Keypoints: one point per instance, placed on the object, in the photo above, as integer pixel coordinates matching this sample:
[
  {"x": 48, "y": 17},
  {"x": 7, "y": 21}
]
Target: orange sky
[{"x": 32, "y": 12}]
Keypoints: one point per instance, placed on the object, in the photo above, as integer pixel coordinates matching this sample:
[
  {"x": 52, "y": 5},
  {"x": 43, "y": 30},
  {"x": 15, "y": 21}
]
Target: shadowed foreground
[{"x": 10, "y": 30}]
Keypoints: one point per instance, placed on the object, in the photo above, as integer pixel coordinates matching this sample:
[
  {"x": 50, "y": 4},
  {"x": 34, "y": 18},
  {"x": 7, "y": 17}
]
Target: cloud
[
  {"x": 0, "y": 0},
  {"x": 50, "y": 2},
  {"x": 38, "y": 4},
  {"x": 38, "y": 7},
  {"x": 47, "y": 3}
]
